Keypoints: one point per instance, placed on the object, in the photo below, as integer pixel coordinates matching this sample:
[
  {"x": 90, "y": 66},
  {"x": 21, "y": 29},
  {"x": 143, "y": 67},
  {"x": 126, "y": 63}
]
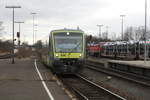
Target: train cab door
[{"x": 50, "y": 52}]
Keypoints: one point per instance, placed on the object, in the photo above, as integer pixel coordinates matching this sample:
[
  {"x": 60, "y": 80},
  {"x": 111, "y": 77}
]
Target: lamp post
[
  {"x": 13, "y": 7},
  {"x": 122, "y": 16},
  {"x": 33, "y": 24},
  {"x": 18, "y": 34},
  {"x": 107, "y": 32},
  {"x": 35, "y": 35},
  {"x": 99, "y": 30},
  {"x": 36, "y": 32},
  {"x": 145, "y": 32}
]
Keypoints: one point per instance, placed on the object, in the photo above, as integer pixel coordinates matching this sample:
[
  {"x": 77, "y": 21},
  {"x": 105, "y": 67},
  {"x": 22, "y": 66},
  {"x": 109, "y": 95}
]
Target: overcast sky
[{"x": 55, "y": 14}]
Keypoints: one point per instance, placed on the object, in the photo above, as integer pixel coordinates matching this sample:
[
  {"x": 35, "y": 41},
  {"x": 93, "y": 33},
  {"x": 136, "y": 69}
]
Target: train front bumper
[{"x": 68, "y": 65}]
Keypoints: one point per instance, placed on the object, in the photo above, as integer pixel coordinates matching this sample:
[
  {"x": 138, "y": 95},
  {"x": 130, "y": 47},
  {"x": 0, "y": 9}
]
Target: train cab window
[{"x": 71, "y": 42}]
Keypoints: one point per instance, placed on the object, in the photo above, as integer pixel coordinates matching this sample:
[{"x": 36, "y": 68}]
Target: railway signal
[
  {"x": 18, "y": 33},
  {"x": 18, "y": 36}
]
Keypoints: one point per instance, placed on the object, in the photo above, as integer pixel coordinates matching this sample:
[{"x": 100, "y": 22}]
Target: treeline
[
  {"x": 130, "y": 33},
  {"x": 136, "y": 33},
  {"x": 94, "y": 39},
  {"x": 6, "y": 46}
]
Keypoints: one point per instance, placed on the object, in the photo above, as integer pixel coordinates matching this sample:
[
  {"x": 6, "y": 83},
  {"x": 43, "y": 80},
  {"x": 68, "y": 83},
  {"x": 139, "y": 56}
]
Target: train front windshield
[{"x": 68, "y": 42}]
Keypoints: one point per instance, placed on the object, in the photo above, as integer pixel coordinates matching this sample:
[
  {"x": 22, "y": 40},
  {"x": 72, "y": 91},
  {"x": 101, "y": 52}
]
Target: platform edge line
[{"x": 44, "y": 84}]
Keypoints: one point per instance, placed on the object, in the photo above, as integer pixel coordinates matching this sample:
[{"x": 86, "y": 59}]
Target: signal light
[{"x": 18, "y": 34}]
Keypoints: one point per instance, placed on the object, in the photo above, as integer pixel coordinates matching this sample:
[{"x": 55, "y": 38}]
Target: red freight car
[{"x": 95, "y": 49}]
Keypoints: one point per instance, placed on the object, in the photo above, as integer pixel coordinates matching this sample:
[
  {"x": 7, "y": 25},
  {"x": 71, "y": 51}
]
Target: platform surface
[
  {"x": 136, "y": 63},
  {"x": 20, "y": 81},
  {"x": 143, "y": 64}
]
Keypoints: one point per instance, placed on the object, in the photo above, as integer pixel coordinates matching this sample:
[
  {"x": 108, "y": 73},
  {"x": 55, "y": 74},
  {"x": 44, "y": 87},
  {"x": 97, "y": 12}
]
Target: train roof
[{"x": 64, "y": 30}]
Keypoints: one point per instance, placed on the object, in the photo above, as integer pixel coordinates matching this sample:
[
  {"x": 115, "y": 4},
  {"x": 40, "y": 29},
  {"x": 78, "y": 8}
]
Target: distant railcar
[
  {"x": 95, "y": 49},
  {"x": 126, "y": 49}
]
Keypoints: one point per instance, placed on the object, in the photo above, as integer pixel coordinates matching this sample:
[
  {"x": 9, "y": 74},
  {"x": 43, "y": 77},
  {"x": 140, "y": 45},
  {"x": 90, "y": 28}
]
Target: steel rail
[
  {"x": 101, "y": 87},
  {"x": 88, "y": 83}
]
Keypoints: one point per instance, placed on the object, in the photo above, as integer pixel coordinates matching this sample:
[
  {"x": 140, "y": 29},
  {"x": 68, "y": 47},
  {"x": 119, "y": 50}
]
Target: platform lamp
[
  {"x": 33, "y": 14},
  {"x": 122, "y": 35},
  {"x": 13, "y": 7},
  {"x": 100, "y": 26},
  {"x": 145, "y": 33}
]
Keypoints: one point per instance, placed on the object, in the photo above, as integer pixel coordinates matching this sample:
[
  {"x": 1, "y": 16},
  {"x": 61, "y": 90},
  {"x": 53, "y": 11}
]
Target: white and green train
[{"x": 66, "y": 51}]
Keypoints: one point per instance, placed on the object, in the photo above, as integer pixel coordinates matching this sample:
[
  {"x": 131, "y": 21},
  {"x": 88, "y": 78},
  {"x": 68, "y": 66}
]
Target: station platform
[
  {"x": 134, "y": 63},
  {"x": 137, "y": 63},
  {"x": 135, "y": 67},
  {"x": 21, "y": 81}
]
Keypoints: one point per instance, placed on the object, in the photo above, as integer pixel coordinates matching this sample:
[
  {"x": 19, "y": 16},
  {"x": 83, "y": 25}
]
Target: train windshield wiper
[{"x": 75, "y": 47}]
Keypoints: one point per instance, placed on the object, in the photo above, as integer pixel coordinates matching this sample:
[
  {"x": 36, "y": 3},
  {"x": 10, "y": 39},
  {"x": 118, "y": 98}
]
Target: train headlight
[
  {"x": 68, "y": 33},
  {"x": 56, "y": 55},
  {"x": 80, "y": 54}
]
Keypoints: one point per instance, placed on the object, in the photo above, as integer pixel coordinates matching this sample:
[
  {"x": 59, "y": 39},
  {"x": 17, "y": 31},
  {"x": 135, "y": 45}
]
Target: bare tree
[
  {"x": 113, "y": 36},
  {"x": 135, "y": 33},
  {"x": 105, "y": 35},
  {"x": 139, "y": 33},
  {"x": 5, "y": 46},
  {"x": 129, "y": 34},
  {"x": 38, "y": 44}
]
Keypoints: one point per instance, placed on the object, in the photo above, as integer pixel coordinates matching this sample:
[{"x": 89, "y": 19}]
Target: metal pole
[
  {"x": 35, "y": 32},
  {"x": 122, "y": 28},
  {"x": 33, "y": 29},
  {"x": 100, "y": 30},
  {"x": 33, "y": 26},
  {"x": 145, "y": 46},
  {"x": 122, "y": 24},
  {"x": 19, "y": 27},
  {"x": 106, "y": 32},
  {"x": 100, "y": 35},
  {"x": 35, "y": 35},
  {"x": 19, "y": 37},
  {"x": 13, "y": 40}
]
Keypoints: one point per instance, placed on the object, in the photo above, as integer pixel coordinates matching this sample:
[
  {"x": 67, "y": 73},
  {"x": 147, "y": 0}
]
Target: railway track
[
  {"x": 145, "y": 81},
  {"x": 87, "y": 90}
]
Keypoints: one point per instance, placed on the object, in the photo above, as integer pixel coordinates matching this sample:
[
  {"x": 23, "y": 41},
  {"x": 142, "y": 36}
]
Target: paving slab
[{"x": 20, "y": 81}]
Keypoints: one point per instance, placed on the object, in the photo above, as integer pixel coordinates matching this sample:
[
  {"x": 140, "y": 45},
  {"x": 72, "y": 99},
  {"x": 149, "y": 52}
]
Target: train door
[{"x": 50, "y": 51}]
